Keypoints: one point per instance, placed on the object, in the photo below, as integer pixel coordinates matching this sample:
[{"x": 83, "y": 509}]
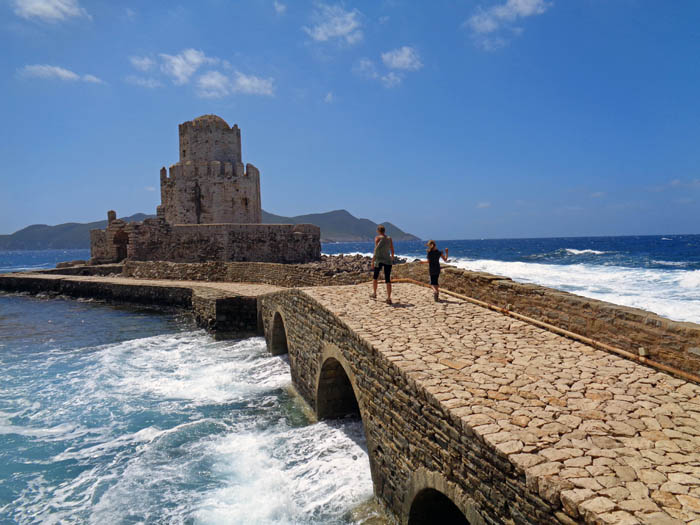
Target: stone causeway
[{"x": 471, "y": 416}]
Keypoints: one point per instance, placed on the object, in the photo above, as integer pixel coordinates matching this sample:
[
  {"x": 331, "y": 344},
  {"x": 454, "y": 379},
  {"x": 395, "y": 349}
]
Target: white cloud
[
  {"x": 130, "y": 13},
  {"x": 391, "y": 80},
  {"x": 280, "y": 8},
  {"x": 213, "y": 84},
  {"x": 405, "y": 58},
  {"x": 56, "y": 72},
  {"x": 483, "y": 205},
  {"x": 365, "y": 68},
  {"x": 598, "y": 194},
  {"x": 182, "y": 66},
  {"x": 334, "y": 22},
  {"x": 49, "y": 10},
  {"x": 150, "y": 188},
  {"x": 142, "y": 63},
  {"x": 147, "y": 82},
  {"x": 486, "y": 23},
  {"x": 329, "y": 97},
  {"x": 92, "y": 79},
  {"x": 252, "y": 85}
]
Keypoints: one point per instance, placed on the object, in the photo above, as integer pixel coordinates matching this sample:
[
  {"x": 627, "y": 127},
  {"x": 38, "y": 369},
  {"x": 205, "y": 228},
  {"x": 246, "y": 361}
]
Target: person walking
[
  {"x": 433, "y": 261},
  {"x": 383, "y": 258}
]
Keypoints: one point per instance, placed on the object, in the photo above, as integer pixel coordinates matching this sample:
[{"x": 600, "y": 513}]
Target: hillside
[
  {"x": 341, "y": 226},
  {"x": 336, "y": 226},
  {"x": 71, "y": 235}
]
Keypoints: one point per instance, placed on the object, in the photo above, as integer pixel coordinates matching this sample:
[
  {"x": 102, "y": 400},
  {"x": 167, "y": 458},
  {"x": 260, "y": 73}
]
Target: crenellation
[{"x": 209, "y": 186}]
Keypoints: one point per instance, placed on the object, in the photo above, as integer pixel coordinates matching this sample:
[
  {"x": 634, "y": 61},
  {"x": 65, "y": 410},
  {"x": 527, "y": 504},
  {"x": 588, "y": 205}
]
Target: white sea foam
[
  {"x": 573, "y": 251},
  {"x": 671, "y": 293},
  {"x": 289, "y": 475},
  {"x": 231, "y": 456},
  {"x": 676, "y": 264}
]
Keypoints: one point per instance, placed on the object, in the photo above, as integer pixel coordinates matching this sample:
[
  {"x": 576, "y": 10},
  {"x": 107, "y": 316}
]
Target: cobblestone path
[{"x": 615, "y": 441}]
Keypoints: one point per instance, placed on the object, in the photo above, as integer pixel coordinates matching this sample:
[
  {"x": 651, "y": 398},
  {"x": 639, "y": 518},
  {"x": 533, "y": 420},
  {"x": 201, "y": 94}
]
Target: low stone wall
[
  {"x": 102, "y": 269},
  {"x": 673, "y": 343},
  {"x": 413, "y": 441},
  {"x": 174, "y": 296},
  {"x": 287, "y": 275}
]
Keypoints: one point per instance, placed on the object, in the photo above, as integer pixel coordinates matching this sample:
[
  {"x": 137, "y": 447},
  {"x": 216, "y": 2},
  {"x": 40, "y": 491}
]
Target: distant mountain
[
  {"x": 341, "y": 226},
  {"x": 71, "y": 235},
  {"x": 336, "y": 226}
]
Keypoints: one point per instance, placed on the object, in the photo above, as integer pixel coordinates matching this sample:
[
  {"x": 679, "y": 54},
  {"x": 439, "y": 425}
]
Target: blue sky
[{"x": 452, "y": 119}]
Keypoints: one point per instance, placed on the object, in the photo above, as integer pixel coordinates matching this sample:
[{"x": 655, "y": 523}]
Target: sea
[{"x": 123, "y": 415}]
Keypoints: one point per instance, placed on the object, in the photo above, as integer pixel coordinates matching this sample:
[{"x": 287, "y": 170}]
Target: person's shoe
[
  {"x": 436, "y": 296},
  {"x": 373, "y": 296},
  {"x": 388, "y": 301}
]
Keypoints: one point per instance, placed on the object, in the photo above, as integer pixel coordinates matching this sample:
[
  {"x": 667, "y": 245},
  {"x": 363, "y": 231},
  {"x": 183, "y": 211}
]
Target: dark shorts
[
  {"x": 434, "y": 279},
  {"x": 387, "y": 272}
]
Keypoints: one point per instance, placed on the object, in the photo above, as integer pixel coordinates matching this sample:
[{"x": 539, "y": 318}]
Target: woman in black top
[{"x": 434, "y": 256}]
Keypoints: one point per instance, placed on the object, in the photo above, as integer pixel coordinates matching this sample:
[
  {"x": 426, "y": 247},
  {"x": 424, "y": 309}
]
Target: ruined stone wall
[
  {"x": 111, "y": 244},
  {"x": 156, "y": 240},
  {"x": 210, "y": 192},
  {"x": 287, "y": 275},
  {"x": 673, "y": 343},
  {"x": 412, "y": 437},
  {"x": 98, "y": 247}
]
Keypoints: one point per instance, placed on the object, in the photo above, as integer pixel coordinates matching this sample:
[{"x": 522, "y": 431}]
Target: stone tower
[{"x": 210, "y": 185}]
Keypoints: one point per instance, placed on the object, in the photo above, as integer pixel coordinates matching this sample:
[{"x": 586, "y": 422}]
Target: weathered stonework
[{"x": 210, "y": 210}]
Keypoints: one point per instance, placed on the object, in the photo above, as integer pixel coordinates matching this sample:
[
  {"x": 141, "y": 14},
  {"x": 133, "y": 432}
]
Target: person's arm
[
  {"x": 391, "y": 243},
  {"x": 444, "y": 255}
]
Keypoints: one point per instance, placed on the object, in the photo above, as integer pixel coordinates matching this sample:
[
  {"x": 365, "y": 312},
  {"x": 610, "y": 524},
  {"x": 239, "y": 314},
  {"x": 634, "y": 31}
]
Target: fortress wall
[
  {"x": 287, "y": 275},
  {"x": 673, "y": 343},
  {"x": 156, "y": 240},
  {"x": 98, "y": 247},
  {"x": 412, "y": 437},
  {"x": 211, "y": 193}
]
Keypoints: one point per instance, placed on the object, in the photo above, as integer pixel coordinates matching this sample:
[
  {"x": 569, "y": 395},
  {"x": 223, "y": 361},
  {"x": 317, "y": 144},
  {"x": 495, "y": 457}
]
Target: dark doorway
[{"x": 121, "y": 242}]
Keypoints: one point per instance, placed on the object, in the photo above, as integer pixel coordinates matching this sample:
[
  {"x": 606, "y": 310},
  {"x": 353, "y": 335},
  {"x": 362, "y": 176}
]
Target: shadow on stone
[{"x": 431, "y": 506}]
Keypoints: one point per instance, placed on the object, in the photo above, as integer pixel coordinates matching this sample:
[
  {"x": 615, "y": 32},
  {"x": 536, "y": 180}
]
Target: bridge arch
[
  {"x": 335, "y": 386},
  {"x": 278, "y": 335},
  {"x": 433, "y": 499}
]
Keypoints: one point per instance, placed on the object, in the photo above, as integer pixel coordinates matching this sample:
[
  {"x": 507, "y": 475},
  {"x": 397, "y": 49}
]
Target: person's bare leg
[
  {"x": 374, "y": 287},
  {"x": 388, "y": 292}
]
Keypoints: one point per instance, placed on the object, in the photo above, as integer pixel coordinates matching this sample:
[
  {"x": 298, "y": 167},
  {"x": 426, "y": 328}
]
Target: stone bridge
[
  {"x": 471, "y": 416},
  {"x": 474, "y": 417}
]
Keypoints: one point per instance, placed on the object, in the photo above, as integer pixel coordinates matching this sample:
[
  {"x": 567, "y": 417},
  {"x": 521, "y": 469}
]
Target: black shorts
[
  {"x": 387, "y": 272},
  {"x": 434, "y": 279}
]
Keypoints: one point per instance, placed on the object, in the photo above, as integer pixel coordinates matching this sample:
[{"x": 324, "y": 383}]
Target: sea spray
[{"x": 169, "y": 427}]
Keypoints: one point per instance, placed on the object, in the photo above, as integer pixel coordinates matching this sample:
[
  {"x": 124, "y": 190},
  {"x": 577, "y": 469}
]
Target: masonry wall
[
  {"x": 408, "y": 430},
  {"x": 210, "y": 192},
  {"x": 288, "y": 275},
  {"x": 156, "y": 240}
]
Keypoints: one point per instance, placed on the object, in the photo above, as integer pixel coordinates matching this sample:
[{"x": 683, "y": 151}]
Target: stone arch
[
  {"x": 278, "y": 335},
  {"x": 433, "y": 499},
  {"x": 335, "y": 377},
  {"x": 335, "y": 394}
]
